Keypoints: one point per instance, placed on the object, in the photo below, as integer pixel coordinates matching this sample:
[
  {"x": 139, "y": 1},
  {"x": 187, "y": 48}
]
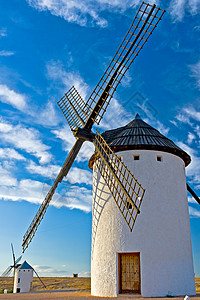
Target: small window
[
  {"x": 136, "y": 157},
  {"x": 159, "y": 158},
  {"x": 18, "y": 280},
  {"x": 18, "y": 290},
  {"x": 129, "y": 205}
]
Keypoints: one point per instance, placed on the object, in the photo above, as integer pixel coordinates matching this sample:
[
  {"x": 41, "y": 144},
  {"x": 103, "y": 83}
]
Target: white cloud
[
  {"x": 11, "y": 97},
  {"x": 27, "y": 139},
  {"x": 194, "y": 213},
  {"x": 80, "y": 12},
  {"x": 47, "y": 171},
  {"x": 57, "y": 73},
  {"x": 183, "y": 118},
  {"x": 26, "y": 189},
  {"x": 72, "y": 197},
  {"x": 191, "y": 138},
  {"x": 47, "y": 116},
  {"x": 46, "y": 271},
  {"x": 195, "y": 69},
  {"x": 89, "y": 12},
  {"x": 68, "y": 139},
  {"x": 8, "y": 153},
  {"x": 192, "y": 170},
  {"x": 178, "y": 8},
  {"x": 116, "y": 116},
  {"x": 187, "y": 115},
  {"x": 75, "y": 175},
  {"x": 6, "y": 178},
  {"x": 6, "y": 53}
]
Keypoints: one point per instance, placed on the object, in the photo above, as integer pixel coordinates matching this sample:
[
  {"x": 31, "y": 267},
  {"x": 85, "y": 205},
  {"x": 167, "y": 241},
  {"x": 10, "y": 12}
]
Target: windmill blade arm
[
  {"x": 194, "y": 195},
  {"x": 74, "y": 109},
  {"x": 17, "y": 260},
  {"x": 42, "y": 209},
  {"x": 13, "y": 254},
  {"x": 7, "y": 272},
  {"x": 125, "y": 189},
  {"x": 142, "y": 27},
  {"x": 39, "y": 278}
]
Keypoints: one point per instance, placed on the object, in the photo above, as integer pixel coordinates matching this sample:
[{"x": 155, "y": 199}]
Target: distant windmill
[
  {"x": 81, "y": 116},
  {"x": 13, "y": 267}
]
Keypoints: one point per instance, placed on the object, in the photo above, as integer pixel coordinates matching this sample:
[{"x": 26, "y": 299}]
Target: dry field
[
  {"x": 52, "y": 283},
  {"x": 197, "y": 283},
  {"x": 80, "y": 286}
]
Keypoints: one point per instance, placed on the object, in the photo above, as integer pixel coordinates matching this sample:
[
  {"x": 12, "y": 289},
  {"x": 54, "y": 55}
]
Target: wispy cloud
[
  {"x": 49, "y": 271},
  {"x": 195, "y": 69},
  {"x": 79, "y": 12},
  {"x": 57, "y": 73},
  {"x": 6, "y": 178},
  {"x": 70, "y": 196},
  {"x": 191, "y": 138},
  {"x": 193, "y": 170},
  {"x": 6, "y": 53},
  {"x": 178, "y": 8},
  {"x": 73, "y": 197},
  {"x": 76, "y": 175},
  {"x": 89, "y": 13},
  {"x": 9, "y": 153},
  {"x": 11, "y": 97},
  {"x": 27, "y": 139},
  {"x": 194, "y": 213},
  {"x": 65, "y": 134}
]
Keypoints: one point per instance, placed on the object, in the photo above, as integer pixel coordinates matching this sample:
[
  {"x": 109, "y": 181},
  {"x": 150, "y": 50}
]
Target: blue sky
[{"x": 46, "y": 46}]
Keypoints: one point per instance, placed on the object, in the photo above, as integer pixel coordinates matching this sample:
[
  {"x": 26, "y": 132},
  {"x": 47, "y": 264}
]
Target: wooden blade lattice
[
  {"x": 142, "y": 27},
  {"x": 75, "y": 110},
  {"x": 125, "y": 189}
]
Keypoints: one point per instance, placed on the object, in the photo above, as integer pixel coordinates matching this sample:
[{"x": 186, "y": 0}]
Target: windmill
[
  {"x": 81, "y": 116},
  {"x": 115, "y": 249},
  {"x": 13, "y": 267}
]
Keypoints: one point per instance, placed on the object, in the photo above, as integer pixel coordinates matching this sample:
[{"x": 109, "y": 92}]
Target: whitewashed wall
[
  {"x": 26, "y": 279},
  {"x": 161, "y": 233}
]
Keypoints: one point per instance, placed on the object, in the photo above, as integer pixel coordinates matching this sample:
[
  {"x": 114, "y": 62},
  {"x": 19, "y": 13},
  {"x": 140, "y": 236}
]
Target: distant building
[{"x": 23, "y": 278}]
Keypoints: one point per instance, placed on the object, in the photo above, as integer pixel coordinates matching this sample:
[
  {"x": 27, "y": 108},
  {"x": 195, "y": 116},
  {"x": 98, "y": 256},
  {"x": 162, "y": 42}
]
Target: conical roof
[
  {"x": 25, "y": 265},
  {"x": 140, "y": 135}
]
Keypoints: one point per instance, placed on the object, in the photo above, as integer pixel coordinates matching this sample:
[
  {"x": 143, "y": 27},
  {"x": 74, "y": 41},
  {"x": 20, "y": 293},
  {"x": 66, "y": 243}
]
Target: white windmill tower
[{"x": 156, "y": 258}]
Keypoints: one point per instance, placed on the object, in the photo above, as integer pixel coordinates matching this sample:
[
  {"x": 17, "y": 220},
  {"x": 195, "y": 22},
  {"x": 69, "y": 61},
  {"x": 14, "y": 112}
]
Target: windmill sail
[
  {"x": 27, "y": 238},
  {"x": 140, "y": 30},
  {"x": 79, "y": 114},
  {"x": 125, "y": 189},
  {"x": 74, "y": 109}
]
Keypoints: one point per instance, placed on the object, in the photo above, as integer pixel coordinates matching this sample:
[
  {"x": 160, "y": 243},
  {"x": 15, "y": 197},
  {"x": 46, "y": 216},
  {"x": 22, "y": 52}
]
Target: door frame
[{"x": 119, "y": 271}]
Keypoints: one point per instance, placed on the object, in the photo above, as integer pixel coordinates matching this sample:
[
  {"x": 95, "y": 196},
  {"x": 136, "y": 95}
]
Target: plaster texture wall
[
  {"x": 25, "y": 278},
  {"x": 161, "y": 233}
]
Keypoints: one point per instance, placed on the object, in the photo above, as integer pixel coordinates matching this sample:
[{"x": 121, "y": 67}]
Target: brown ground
[{"x": 79, "y": 288}]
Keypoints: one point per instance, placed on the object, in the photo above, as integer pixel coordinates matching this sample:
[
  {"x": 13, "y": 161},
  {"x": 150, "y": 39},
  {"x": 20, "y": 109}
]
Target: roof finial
[{"x": 137, "y": 117}]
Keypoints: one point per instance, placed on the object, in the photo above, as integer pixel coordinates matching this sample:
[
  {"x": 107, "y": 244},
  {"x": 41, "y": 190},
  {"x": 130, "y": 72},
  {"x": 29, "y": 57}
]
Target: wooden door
[{"x": 129, "y": 272}]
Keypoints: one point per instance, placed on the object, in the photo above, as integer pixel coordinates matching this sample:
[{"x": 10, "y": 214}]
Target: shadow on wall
[{"x": 99, "y": 196}]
